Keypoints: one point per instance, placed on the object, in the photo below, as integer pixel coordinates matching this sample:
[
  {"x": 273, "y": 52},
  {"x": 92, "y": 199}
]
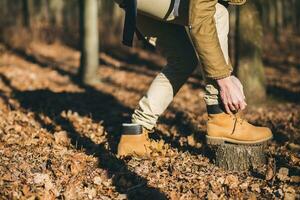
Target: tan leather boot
[
  {"x": 223, "y": 128},
  {"x": 138, "y": 144}
]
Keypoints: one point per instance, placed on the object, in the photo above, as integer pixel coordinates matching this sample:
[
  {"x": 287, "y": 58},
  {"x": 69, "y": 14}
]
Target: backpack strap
[
  {"x": 130, "y": 7},
  {"x": 171, "y": 9}
]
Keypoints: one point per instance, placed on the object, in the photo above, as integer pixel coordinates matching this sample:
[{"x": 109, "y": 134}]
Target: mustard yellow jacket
[{"x": 204, "y": 35}]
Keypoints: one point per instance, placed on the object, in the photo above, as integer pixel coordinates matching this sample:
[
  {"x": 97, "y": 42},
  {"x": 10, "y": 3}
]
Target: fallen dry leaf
[
  {"x": 62, "y": 138},
  {"x": 283, "y": 174}
]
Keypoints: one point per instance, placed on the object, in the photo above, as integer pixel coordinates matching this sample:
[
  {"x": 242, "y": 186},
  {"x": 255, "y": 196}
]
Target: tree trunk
[
  {"x": 250, "y": 66},
  {"x": 297, "y": 18},
  {"x": 265, "y": 14},
  {"x": 272, "y": 15},
  {"x": 279, "y": 19},
  {"x": 234, "y": 157},
  {"x": 56, "y": 7},
  {"x": 26, "y": 14},
  {"x": 111, "y": 22},
  {"x": 286, "y": 13},
  {"x": 45, "y": 11},
  {"x": 89, "y": 60}
]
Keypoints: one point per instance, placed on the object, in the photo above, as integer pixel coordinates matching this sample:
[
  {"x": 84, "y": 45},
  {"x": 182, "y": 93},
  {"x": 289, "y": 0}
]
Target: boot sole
[{"x": 220, "y": 140}]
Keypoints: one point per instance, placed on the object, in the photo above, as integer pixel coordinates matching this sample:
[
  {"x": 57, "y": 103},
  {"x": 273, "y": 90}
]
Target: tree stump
[{"x": 236, "y": 157}]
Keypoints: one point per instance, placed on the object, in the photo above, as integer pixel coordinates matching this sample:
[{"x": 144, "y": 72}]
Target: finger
[
  {"x": 227, "y": 109},
  {"x": 231, "y": 106},
  {"x": 236, "y": 101},
  {"x": 237, "y": 105},
  {"x": 230, "y": 102},
  {"x": 242, "y": 105},
  {"x": 225, "y": 102}
]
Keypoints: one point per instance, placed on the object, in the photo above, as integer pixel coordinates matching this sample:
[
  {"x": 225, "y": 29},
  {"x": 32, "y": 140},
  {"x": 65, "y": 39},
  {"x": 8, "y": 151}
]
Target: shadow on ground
[
  {"x": 102, "y": 107},
  {"x": 283, "y": 94}
]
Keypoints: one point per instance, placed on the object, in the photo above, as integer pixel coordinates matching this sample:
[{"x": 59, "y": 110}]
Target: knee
[{"x": 222, "y": 19}]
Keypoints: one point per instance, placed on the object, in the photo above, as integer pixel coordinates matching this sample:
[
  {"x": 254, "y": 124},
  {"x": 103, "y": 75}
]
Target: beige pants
[{"x": 174, "y": 42}]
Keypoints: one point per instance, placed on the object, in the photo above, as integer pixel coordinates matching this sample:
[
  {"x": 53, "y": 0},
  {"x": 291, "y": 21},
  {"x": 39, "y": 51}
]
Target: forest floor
[{"x": 58, "y": 137}]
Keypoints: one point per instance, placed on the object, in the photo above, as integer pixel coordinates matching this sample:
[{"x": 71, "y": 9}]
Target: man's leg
[{"x": 181, "y": 62}]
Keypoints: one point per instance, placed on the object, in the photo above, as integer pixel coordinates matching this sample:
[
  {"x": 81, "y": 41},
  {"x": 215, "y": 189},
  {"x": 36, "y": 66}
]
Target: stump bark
[{"x": 235, "y": 157}]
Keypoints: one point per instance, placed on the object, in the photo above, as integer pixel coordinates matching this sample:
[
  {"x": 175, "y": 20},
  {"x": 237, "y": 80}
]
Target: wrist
[{"x": 223, "y": 82}]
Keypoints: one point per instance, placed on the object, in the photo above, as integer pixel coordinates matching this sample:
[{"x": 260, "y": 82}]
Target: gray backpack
[{"x": 145, "y": 7}]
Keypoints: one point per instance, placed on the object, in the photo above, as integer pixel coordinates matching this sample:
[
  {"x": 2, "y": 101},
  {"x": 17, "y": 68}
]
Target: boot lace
[{"x": 237, "y": 120}]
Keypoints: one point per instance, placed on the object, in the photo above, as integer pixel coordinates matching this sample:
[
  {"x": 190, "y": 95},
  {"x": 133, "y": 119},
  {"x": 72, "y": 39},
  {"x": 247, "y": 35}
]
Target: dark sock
[
  {"x": 132, "y": 129},
  {"x": 214, "y": 109}
]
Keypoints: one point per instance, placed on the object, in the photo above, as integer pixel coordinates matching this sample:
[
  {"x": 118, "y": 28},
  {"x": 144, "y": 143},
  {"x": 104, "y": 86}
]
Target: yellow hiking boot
[
  {"x": 222, "y": 127},
  {"x": 135, "y": 142}
]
